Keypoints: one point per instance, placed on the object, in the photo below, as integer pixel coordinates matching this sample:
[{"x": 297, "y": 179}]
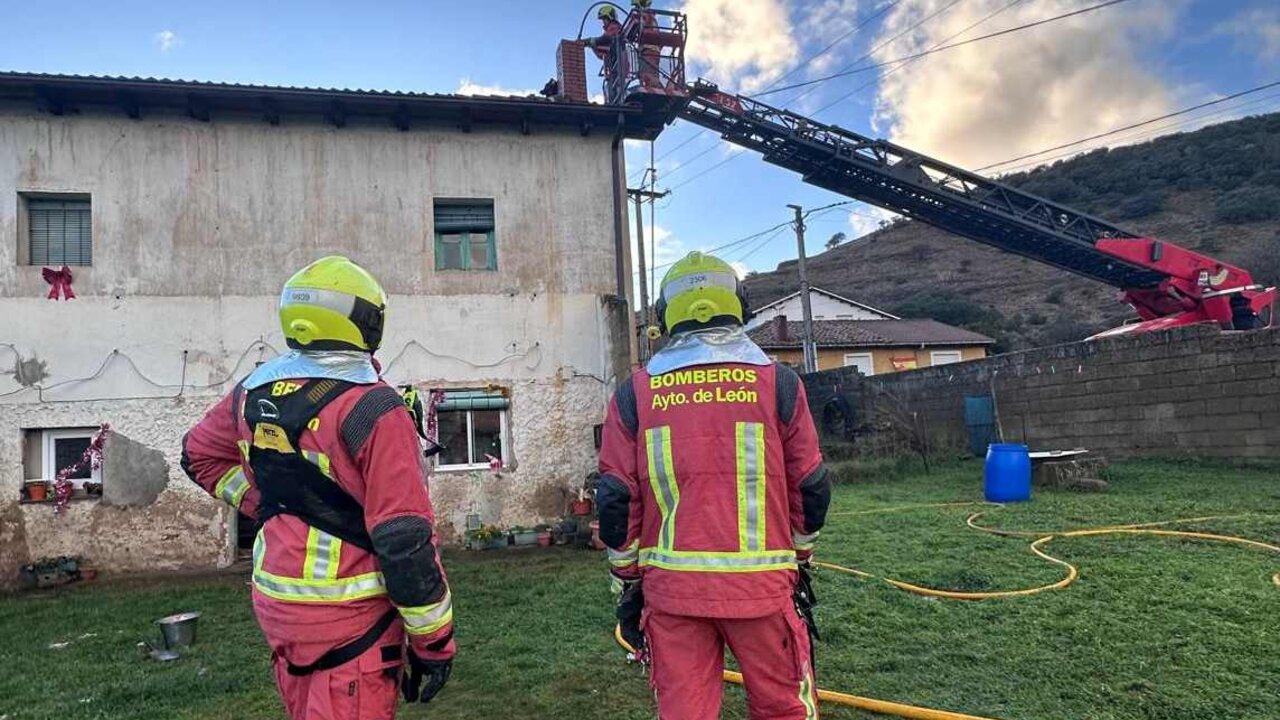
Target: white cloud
[
  {"x": 867, "y": 219},
  {"x": 167, "y": 40},
  {"x": 467, "y": 87},
  {"x": 1023, "y": 92},
  {"x": 823, "y": 24},
  {"x": 1256, "y": 31},
  {"x": 742, "y": 44}
]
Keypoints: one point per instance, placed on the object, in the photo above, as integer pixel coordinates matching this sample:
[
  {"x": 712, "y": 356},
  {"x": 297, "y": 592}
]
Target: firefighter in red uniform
[
  {"x": 650, "y": 50},
  {"x": 711, "y": 495},
  {"x": 601, "y": 45},
  {"x": 347, "y": 585}
]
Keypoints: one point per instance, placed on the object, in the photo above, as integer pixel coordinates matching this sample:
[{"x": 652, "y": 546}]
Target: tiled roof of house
[{"x": 866, "y": 333}]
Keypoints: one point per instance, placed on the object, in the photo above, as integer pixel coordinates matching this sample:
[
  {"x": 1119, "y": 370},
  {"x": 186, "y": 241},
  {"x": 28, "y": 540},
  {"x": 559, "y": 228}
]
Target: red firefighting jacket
[
  {"x": 604, "y": 43},
  {"x": 309, "y": 586},
  {"x": 711, "y": 483}
]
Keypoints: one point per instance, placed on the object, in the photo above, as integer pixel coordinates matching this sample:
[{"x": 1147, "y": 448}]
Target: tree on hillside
[{"x": 835, "y": 241}]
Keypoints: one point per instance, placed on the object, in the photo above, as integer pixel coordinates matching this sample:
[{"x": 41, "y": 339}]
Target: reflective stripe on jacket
[{"x": 711, "y": 473}]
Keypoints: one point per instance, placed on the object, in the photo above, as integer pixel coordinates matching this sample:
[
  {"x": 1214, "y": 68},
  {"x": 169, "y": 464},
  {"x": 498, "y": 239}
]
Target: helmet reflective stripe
[
  {"x": 338, "y": 302},
  {"x": 728, "y": 281},
  {"x": 333, "y": 304}
]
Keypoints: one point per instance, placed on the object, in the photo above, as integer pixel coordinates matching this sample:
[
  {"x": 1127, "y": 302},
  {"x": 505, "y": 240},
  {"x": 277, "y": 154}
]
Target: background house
[
  {"x": 875, "y": 347},
  {"x": 180, "y": 209},
  {"x": 824, "y": 305}
]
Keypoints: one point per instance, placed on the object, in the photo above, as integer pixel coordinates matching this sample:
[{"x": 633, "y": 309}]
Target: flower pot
[
  {"x": 93, "y": 489},
  {"x": 37, "y": 491},
  {"x": 494, "y": 543},
  {"x": 580, "y": 507},
  {"x": 544, "y": 538},
  {"x": 525, "y": 538}
]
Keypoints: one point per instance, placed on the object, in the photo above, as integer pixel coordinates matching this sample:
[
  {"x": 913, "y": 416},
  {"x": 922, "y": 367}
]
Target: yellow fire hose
[{"x": 913, "y": 712}]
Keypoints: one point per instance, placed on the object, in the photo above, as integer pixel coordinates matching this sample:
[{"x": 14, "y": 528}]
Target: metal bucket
[{"x": 178, "y": 631}]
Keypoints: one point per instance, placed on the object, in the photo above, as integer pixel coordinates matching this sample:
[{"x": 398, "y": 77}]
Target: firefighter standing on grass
[
  {"x": 347, "y": 585},
  {"x": 711, "y": 496}
]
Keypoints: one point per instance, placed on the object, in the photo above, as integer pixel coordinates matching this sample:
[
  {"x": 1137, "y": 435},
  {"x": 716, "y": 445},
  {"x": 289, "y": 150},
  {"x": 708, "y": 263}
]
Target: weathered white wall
[
  {"x": 823, "y": 307},
  {"x": 195, "y": 228}
]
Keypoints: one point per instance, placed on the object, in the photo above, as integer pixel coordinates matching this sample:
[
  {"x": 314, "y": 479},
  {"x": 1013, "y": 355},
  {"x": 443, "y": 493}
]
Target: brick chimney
[
  {"x": 780, "y": 328},
  {"x": 571, "y": 71}
]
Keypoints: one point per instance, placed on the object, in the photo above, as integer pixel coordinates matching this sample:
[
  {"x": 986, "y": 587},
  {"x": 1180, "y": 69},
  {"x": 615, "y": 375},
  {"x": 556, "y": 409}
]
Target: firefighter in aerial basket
[
  {"x": 347, "y": 584},
  {"x": 712, "y": 494}
]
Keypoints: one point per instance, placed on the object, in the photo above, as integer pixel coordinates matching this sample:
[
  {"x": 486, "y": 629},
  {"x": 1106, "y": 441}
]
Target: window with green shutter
[
  {"x": 465, "y": 235},
  {"x": 59, "y": 231}
]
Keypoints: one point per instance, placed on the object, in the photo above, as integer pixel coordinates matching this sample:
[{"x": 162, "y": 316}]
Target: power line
[
  {"x": 866, "y": 55},
  {"x": 1159, "y": 131},
  {"x": 865, "y": 21},
  {"x": 891, "y": 71},
  {"x": 908, "y": 58},
  {"x": 1109, "y": 133}
]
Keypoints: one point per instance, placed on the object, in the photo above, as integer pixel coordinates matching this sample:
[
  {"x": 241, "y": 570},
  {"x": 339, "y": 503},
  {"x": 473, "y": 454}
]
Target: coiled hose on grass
[{"x": 914, "y": 712}]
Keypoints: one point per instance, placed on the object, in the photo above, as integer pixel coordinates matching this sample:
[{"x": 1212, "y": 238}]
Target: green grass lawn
[{"x": 1155, "y": 628}]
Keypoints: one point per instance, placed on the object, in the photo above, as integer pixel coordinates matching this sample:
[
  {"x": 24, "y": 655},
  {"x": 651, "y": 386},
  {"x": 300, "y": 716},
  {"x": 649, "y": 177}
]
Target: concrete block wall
[{"x": 1189, "y": 391}]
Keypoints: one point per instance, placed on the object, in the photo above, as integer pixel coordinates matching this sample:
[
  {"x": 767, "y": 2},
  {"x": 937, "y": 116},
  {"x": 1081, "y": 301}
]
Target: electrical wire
[
  {"x": 914, "y": 26},
  {"x": 1229, "y": 113},
  {"x": 931, "y": 51},
  {"x": 846, "y": 35},
  {"x": 1143, "y": 123}
]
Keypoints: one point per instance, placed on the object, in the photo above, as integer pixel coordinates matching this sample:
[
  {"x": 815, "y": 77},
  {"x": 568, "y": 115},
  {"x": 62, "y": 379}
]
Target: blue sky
[{"x": 982, "y": 103}]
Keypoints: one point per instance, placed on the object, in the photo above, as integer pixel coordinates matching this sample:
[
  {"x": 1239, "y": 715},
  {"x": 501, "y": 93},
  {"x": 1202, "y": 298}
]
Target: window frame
[
  {"x": 469, "y": 237},
  {"x": 871, "y": 362},
  {"x": 24, "y": 256},
  {"x": 49, "y": 454},
  {"x": 504, "y": 434},
  {"x": 933, "y": 357}
]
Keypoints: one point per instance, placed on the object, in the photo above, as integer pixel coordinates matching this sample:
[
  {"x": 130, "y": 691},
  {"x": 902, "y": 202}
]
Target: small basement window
[
  {"x": 59, "y": 229},
  {"x": 472, "y": 426},
  {"x": 46, "y": 451},
  {"x": 465, "y": 235}
]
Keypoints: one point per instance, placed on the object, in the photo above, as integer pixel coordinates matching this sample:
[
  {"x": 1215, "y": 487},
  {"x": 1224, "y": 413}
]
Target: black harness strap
[
  {"x": 277, "y": 415},
  {"x": 346, "y": 653}
]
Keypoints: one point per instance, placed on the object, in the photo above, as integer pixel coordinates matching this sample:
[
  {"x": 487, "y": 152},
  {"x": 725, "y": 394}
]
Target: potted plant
[
  {"x": 544, "y": 535},
  {"x": 93, "y": 489},
  {"x": 37, "y": 490},
  {"x": 487, "y": 537},
  {"x": 523, "y": 537}
]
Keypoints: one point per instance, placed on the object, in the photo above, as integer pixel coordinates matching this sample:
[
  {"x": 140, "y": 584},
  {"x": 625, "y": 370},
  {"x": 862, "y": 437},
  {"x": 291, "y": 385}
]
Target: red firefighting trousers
[
  {"x": 688, "y": 660},
  {"x": 366, "y": 688}
]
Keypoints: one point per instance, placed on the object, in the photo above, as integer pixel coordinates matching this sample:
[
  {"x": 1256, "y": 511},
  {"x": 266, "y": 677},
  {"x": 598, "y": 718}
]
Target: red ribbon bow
[{"x": 60, "y": 283}]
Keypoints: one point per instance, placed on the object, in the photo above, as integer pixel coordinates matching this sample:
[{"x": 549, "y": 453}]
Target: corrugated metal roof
[{"x": 867, "y": 333}]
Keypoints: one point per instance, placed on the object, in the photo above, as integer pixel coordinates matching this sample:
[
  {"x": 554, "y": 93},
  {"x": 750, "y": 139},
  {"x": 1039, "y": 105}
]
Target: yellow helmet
[
  {"x": 642, "y": 3},
  {"x": 700, "y": 290},
  {"x": 333, "y": 304},
  {"x": 607, "y": 11}
]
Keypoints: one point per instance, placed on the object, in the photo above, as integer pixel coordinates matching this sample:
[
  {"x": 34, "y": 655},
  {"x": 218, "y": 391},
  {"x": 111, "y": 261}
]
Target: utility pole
[
  {"x": 810, "y": 351},
  {"x": 639, "y": 196}
]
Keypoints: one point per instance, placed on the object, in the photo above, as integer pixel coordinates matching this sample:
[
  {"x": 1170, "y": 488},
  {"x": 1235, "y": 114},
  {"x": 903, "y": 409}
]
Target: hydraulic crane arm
[
  {"x": 1166, "y": 284},
  {"x": 918, "y": 187}
]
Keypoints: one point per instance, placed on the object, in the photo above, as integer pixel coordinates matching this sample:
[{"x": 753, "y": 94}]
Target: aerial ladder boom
[{"x": 1166, "y": 284}]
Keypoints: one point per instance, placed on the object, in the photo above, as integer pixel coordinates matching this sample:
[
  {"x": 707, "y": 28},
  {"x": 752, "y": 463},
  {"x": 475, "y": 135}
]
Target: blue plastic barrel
[{"x": 1007, "y": 473}]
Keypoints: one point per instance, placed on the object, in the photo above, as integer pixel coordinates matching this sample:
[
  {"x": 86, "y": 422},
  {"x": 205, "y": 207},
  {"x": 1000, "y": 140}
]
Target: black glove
[
  {"x": 805, "y": 600},
  {"x": 424, "y": 678},
  {"x": 630, "y": 605}
]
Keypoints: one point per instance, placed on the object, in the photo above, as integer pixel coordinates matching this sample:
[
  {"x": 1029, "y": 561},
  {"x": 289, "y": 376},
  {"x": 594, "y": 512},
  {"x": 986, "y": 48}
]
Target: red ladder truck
[{"x": 1167, "y": 285}]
